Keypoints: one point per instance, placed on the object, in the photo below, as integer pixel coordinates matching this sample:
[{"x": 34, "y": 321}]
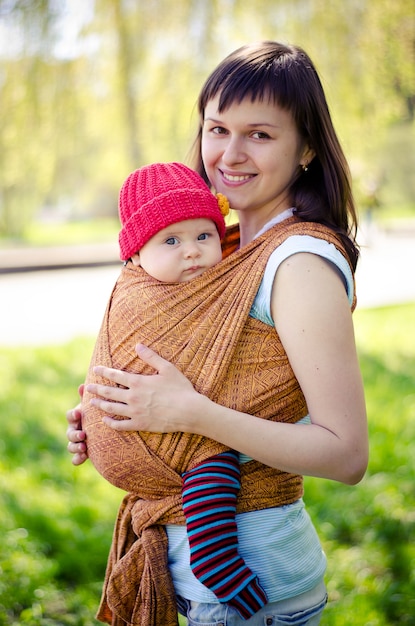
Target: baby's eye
[
  {"x": 171, "y": 241},
  {"x": 203, "y": 236}
]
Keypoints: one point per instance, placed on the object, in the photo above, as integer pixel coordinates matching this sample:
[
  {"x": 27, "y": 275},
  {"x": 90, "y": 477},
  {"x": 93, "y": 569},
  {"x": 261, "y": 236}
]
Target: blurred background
[{"x": 92, "y": 89}]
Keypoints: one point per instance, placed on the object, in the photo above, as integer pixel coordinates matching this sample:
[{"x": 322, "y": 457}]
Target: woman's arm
[
  {"x": 312, "y": 316},
  {"x": 313, "y": 319}
]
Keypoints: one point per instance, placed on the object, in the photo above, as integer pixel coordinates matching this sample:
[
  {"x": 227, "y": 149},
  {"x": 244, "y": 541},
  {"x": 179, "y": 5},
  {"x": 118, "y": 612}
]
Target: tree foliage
[{"x": 91, "y": 90}]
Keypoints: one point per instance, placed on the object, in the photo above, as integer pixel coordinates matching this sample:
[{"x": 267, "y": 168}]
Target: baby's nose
[{"x": 192, "y": 251}]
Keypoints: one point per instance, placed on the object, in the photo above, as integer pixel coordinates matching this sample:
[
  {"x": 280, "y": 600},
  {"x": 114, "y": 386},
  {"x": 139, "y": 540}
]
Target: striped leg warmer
[{"x": 209, "y": 493}]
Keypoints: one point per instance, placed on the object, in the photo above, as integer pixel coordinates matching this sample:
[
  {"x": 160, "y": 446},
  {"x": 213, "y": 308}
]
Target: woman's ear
[
  {"x": 307, "y": 156},
  {"x": 136, "y": 259}
]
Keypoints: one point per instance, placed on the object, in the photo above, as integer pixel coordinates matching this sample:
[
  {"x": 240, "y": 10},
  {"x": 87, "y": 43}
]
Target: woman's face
[{"x": 251, "y": 153}]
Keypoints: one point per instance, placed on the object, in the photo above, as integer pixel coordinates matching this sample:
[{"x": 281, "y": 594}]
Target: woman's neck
[{"x": 249, "y": 229}]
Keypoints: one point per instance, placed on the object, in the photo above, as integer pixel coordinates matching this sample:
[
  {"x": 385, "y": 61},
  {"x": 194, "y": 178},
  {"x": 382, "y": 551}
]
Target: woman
[{"x": 266, "y": 141}]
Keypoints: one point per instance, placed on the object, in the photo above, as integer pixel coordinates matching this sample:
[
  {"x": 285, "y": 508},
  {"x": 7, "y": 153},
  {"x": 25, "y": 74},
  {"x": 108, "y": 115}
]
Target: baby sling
[{"x": 204, "y": 328}]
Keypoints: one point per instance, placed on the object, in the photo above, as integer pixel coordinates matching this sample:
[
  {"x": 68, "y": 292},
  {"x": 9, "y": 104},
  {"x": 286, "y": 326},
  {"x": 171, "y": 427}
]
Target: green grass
[{"x": 56, "y": 520}]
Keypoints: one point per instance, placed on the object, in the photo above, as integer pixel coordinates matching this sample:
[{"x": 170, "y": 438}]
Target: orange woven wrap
[{"x": 204, "y": 327}]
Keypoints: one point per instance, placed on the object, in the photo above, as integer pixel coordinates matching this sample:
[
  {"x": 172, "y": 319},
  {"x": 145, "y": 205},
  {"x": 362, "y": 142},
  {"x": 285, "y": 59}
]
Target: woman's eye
[
  {"x": 260, "y": 135},
  {"x": 219, "y": 130}
]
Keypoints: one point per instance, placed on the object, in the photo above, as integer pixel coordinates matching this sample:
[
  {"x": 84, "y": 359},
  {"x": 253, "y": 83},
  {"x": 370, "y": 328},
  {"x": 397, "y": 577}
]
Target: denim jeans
[{"x": 302, "y": 610}]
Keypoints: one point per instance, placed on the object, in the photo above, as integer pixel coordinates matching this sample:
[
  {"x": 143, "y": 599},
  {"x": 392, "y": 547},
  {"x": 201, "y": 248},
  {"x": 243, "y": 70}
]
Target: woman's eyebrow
[{"x": 251, "y": 124}]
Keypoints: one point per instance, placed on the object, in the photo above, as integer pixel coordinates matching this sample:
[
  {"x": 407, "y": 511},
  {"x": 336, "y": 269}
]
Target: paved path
[
  {"x": 386, "y": 270},
  {"x": 52, "y": 306}
]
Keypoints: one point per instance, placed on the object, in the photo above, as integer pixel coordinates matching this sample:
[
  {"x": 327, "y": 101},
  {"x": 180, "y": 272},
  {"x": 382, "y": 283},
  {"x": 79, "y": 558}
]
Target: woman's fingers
[
  {"x": 78, "y": 457},
  {"x": 118, "y": 377},
  {"x": 152, "y": 358},
  {"x": 108, "y": 406},
  {"x": 74, "y": 417},
  {"x": 149, "y": 402},
  {"x": 120, "y": 425},
  {"x": 76, "y": 444},
  {"x": 75, "y": 435}
]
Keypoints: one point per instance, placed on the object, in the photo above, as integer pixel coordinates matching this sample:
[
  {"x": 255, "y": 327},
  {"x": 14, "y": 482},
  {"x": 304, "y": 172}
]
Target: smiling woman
[{"x": 276, "y": 375}]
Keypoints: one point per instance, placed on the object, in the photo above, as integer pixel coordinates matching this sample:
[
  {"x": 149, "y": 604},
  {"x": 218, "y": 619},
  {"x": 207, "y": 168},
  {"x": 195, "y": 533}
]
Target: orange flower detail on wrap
[
  {"x": 223, "y": 204},
  {"x": 205, "y": 329}
]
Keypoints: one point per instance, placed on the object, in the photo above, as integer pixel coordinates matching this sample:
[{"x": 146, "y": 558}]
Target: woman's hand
[
  {"x": 75, "y": 434},
  {"x": 154, "y": 403}
]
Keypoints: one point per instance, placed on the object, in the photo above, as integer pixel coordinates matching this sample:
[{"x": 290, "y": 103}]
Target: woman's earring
[{"x": 305, "y": 167}]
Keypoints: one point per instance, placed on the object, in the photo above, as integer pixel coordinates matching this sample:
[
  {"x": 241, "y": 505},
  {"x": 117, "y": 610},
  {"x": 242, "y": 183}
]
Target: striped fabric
[{"x": 209, "y": 503}]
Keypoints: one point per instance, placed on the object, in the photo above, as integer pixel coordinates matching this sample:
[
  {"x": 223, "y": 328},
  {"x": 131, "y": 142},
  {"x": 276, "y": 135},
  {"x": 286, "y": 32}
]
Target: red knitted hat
[{"x": 161, "y": 194}]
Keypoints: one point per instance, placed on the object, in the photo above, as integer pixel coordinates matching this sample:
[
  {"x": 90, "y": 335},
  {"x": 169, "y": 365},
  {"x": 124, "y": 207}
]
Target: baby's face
[{"x": 182, "y": 251}]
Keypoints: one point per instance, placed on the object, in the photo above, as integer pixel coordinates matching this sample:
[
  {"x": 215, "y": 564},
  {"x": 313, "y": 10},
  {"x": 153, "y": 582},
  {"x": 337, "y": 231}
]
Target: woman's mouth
[{"x": 235, "y": 178}]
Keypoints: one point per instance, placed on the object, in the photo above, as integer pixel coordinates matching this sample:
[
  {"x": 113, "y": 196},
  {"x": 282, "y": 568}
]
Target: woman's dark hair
[{"x": 286, "y": 76}]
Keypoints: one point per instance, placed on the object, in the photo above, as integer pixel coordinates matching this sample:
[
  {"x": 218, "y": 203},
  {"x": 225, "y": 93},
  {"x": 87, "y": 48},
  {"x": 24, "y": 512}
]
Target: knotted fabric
[{"x": 204, "y": 328}]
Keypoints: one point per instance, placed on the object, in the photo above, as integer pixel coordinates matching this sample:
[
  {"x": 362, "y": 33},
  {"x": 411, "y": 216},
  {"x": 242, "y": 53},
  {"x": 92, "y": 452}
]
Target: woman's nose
[{"x": 234, "y": 151}]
